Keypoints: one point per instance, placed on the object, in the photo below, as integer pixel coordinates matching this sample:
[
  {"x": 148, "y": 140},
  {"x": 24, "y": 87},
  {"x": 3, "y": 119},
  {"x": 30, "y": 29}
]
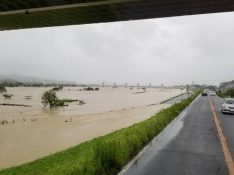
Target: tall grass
[{"x": 103, "y": 155}]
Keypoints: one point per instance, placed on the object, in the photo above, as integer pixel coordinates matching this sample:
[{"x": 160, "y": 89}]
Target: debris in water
[
  {"x": 7, "y": 95},
  {"x": 33, "y": 120},
  {"x": 11, "y": 104}
]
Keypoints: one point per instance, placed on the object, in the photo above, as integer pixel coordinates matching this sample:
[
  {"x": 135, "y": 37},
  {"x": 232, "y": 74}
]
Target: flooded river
[{"x": 33, "y": 132}]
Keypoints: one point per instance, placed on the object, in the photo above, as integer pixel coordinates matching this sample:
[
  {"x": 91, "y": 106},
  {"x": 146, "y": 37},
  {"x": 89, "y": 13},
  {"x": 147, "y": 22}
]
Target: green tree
[
  {"x": 230, "y": 93},
  {"x": 2, "y": 89},
  {"x": 49, "y": 98}
]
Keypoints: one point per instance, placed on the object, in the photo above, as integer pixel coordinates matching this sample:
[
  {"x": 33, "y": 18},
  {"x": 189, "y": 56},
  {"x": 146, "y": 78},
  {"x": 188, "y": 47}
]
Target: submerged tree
[
  {"x": 49, "y": 98},
  {"x": 58, "y": 88},
  {"x": 7, "y": 96},
  {"x": 2, "y": 89}
]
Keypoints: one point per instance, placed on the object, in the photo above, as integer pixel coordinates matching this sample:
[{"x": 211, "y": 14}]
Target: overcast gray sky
[{"x": 175, "y": 50}]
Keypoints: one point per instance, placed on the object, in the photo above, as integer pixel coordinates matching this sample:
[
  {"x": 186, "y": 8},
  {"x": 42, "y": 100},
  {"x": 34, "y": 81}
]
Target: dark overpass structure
[{"x": 16, "y": 14}]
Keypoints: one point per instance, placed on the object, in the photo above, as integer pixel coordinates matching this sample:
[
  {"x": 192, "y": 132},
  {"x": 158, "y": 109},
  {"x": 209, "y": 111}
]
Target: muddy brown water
[{"x": 33, "y": 132}]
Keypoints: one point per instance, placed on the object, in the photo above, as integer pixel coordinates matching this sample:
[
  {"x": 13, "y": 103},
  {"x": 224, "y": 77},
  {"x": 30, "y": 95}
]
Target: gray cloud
[{"x": 174, "y": 50}]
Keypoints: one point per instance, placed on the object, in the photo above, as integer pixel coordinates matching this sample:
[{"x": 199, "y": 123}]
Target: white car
[
  {"x": 212, "y": 93},
  {"x": 228, "y": 105}
]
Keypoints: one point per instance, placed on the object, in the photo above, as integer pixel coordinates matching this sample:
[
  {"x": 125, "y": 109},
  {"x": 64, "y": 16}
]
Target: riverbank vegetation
[
  {"x": 103, "y": 155},
  {"x": 25, "y": 84},
  {"x": 227, "y": 93}
]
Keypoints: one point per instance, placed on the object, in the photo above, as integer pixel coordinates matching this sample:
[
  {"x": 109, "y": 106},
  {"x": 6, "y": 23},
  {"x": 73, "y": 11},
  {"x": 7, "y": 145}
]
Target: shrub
[
  {"x": 7, "y": 96},
  {"x": 57, "y": 88},
  {"x": 2, "y": 89},
  {"x": 89, "y": 89}
]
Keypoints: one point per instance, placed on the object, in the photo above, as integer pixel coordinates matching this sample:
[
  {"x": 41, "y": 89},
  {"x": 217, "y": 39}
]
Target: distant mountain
[{"x": 30, "y": 79}]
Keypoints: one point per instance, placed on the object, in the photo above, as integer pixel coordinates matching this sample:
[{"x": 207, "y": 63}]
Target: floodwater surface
[{"x": 34, "y": 132}]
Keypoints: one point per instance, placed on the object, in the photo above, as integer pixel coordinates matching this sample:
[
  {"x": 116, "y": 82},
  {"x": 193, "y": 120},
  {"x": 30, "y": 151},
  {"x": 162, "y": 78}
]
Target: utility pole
[
  {"x": 187, "y": 90},
  {"x": 181, "y": 93}
]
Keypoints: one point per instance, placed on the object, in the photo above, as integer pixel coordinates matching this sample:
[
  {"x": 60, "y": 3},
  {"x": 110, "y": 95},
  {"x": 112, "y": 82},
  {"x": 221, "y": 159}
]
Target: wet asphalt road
[{"x": 189, "y": 145}]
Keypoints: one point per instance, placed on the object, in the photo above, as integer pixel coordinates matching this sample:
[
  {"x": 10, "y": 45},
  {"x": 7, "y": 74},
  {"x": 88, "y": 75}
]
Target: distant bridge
[{"x": 36, "y": 13}]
